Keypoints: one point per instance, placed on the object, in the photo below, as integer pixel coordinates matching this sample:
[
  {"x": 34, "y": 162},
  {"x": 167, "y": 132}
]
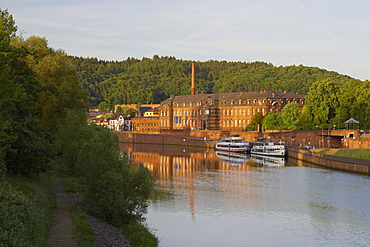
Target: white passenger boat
[
  {"x": 233, "y": 144},
  {"x": 268, "y": 147}
]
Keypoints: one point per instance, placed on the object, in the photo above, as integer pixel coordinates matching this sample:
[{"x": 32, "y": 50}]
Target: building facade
[{"x": 222, "y": 111}]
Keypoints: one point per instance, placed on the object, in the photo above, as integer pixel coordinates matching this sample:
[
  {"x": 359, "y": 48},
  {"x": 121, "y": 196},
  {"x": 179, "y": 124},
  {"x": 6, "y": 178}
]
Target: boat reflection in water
[
  {"x": 262, "y": 160},
  {"x": 234, "y": 159},
  {"x": 238, "y": 159}
]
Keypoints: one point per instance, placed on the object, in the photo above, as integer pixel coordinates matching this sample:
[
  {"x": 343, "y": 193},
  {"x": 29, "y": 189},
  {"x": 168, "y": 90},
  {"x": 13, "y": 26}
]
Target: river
[{"x": 206, "y": 199}]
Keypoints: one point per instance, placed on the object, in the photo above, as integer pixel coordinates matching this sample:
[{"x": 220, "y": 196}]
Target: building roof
[
  {"x": 155, "y": 109},
  {"x": 142, "y": 109},
  {"x": 234, "y": 96},
  {"x": 351, "y": 120}
]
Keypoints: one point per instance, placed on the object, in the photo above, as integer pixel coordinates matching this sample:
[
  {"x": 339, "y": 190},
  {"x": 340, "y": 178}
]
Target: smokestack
[{"x": 192, "y": 78}]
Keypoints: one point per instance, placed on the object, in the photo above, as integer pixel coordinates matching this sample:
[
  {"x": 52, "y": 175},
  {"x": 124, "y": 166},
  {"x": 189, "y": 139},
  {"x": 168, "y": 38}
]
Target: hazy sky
[{"x": 329, "y": 34}]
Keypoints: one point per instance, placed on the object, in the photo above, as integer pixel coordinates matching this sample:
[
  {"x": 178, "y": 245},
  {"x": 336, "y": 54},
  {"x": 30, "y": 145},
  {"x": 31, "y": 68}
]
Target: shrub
[
  {"x": 111, "y": 188},
  {"x": 25, "y": 211}
]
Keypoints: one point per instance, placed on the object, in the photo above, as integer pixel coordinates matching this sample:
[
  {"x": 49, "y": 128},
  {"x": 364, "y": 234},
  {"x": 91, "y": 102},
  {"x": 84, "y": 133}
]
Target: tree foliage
[
  {"x": 26, "y": 147},
  {"x": 354, "y": 102},
  {"x": 290, "y": 116},
  {"x": 110, "y": 187},
  {"x": 273, "y": 121},
  {"x": 322, "y": 102}
]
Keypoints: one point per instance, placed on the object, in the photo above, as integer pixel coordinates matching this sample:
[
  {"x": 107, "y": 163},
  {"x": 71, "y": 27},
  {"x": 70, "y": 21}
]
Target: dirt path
[{"x": 61, "y": 233}]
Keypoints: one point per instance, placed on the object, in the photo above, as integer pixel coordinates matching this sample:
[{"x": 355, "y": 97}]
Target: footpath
[{"x": 61, "y": 234}]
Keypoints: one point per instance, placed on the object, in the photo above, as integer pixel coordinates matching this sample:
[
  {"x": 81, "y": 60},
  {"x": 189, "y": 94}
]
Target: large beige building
[{"x": 222, "y": 111}]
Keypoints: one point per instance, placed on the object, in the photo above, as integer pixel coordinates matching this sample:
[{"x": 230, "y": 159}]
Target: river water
[{"x": 208, "y": 199}]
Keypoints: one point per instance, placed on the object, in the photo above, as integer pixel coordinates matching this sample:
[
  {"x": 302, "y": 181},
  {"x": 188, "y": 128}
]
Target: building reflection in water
[{"x": 181, "y": 164}]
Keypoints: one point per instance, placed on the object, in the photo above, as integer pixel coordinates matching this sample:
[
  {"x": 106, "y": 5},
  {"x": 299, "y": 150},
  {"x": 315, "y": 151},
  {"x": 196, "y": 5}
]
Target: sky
[{"x": 329, "y": 34}]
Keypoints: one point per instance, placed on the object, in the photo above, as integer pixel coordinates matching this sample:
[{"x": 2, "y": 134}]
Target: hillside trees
[{"x": 146, "y": 80}]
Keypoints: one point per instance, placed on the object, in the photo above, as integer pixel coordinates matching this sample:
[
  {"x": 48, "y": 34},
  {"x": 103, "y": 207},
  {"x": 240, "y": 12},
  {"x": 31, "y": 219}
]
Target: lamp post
[
  {"x": 322, "y": 136},
  {"x": 329, "y": 134}
]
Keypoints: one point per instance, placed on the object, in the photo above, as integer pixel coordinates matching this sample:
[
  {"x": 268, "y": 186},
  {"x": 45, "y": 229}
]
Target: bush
[
  {"x": 111, "y": 188},
  {"x": 25, "y": 211}
]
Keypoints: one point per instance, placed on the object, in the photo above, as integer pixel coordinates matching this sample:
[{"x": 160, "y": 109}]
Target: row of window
[
  {"x": 223, "y": 112},
  {"x": 180, "y": 121},
  {"x": 240, "y": 102}
]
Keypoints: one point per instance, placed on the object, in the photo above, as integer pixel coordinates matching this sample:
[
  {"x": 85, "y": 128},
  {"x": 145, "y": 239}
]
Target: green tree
[
  {"x": 273, "y": 121},
  {"x": 256, "y": 122},
  {"x": 65, "y": 92},
  {"x": 26, "y": 145},
  {"x": 129, "y": 112},
  {"x": 303, "y": 121},
  {"x": 290, "y": 116},
  {"x": 119, "y": 109},
  {"x": 110, "y": 187},
  {"x": 103, "y": 106},
  {"x": 354, "y": 98},
  {"x": 322, "y": 102}
]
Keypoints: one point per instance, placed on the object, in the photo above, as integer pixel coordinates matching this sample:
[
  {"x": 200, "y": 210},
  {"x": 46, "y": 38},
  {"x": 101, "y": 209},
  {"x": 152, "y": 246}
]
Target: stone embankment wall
[
  {"x": 125, "y": 137},
  {"x": 318, "y": 138},
  {"x": 329, "y": 161}
]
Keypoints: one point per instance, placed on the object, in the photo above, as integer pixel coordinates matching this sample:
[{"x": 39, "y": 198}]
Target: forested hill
[{"x": 152, "y": 80}]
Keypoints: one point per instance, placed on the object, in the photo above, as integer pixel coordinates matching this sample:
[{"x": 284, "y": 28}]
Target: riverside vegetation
[{"x": 43, "y": 127}]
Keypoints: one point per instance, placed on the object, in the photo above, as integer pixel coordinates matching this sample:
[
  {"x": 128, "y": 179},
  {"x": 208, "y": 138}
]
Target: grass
[
  {"x": 82, "y": 231},
  {"x": 139, "y": 235},
  {"x": 349, "y": 153},
  {"x": 354, "y": 153}
]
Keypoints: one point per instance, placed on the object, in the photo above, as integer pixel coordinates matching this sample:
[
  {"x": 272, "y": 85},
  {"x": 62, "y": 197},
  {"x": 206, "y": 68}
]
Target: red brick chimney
[{"x": 192, "y": 78}]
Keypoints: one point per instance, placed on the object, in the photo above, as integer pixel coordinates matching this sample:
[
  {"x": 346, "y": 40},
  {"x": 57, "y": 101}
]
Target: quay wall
[
  {"x": 129, "y": 137},
  {"x": 329, "y": 161}
]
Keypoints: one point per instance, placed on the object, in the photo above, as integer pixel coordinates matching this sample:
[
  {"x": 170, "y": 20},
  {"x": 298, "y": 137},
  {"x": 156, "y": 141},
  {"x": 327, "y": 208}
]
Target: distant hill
[{"x": 152, "y": 80}]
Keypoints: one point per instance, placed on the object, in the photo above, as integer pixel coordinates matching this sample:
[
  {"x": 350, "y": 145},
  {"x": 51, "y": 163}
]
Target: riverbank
[
  {"x": 363, "y": 154},
  {"x": 330, "y": 161}
]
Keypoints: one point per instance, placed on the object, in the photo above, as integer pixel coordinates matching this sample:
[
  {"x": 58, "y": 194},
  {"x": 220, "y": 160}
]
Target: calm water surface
[{"x": 209, "y": 201}]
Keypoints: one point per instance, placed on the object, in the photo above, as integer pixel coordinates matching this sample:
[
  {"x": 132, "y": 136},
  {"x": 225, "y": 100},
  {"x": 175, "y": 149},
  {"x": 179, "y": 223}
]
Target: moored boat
[
  {"x": 268, "y": 147},
  {"x": 233, "y": 144}
]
